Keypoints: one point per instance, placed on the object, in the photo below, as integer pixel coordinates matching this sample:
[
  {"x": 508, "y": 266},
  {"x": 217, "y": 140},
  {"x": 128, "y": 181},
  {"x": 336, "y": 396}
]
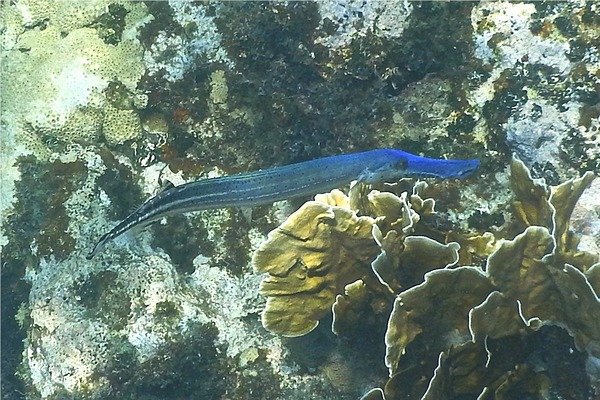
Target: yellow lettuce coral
[
  {"x": 539, "y": 205},
  {"x": 310, "y": 258},
  {"x": 324, "y": 254},
  {"x": 450, "y": 324},
  {"x": 534, "y": 287},
  {"x": 527, "y": 284},
  {"x": 437, "y": 308}
]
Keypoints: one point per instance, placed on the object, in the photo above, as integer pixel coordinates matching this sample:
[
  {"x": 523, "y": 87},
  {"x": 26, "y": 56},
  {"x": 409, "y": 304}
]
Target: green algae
[
  {"x": 104, "y": 298},
  {"x": 40, "y": 216}
]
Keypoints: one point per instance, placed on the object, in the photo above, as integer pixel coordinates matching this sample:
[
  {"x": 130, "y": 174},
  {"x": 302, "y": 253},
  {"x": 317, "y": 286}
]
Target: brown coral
[
  {"x": 323, "y": 252},
  {"x": 310, "y": 258},
  {"x": 450, "y": 325},
  {"x": 528, "y": 285}
]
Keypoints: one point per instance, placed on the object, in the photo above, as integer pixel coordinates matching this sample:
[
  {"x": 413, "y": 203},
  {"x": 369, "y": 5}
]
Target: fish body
[{"x": 286, "y": 182}]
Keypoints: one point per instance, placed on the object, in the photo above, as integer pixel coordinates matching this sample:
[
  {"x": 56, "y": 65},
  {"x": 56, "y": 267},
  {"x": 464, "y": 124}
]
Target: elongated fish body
[{"x": 286, "y": 182}]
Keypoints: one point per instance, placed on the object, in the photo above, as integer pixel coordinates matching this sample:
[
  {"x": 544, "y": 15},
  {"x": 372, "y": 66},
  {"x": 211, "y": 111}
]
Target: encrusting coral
[
  {"x": 356, "y": 254},
  {"x": 60, "y": 54}
]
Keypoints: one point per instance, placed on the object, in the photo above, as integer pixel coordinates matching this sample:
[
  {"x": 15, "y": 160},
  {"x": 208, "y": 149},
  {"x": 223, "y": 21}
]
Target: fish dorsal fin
[
  {"x": 165, "y": 185},
  {"x": 247, "y": 213}
]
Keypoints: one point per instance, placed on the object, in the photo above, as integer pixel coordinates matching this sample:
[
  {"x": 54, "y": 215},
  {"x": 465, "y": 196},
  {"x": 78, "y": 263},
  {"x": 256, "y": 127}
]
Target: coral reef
[
  {"x": 105, "y": 100},
  {"x": 310, "y": 258},
  {"x": 442, "y": 313},
  {"x": 532, "y": 53},
  {"x": 69, "y": 67}
]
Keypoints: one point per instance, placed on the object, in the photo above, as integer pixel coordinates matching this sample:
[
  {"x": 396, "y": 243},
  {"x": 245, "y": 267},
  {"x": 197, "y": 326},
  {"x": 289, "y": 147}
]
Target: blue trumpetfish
[{"x": 286, "y": 182}]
